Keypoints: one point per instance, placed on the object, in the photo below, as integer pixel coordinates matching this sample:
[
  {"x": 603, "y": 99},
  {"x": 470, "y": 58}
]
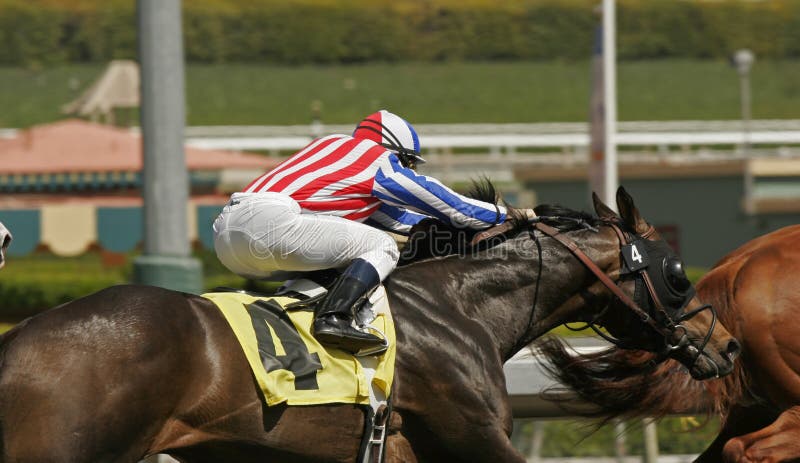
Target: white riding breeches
[{"x": 259, "y": 234}]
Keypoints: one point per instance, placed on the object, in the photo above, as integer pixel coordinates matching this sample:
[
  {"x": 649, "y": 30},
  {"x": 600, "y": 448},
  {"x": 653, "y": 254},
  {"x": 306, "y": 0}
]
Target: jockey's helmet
[{"x": 393, "y": 132}]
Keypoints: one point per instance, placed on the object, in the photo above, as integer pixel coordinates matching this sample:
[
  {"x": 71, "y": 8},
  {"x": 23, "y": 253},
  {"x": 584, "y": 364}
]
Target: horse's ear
[
  {"x": 629, "y": 212},
  {"x": 603, "y": 211}
]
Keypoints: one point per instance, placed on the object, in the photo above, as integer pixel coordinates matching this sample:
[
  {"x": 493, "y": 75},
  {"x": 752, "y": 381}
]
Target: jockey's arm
[
  {"x": 395, "y": 219},
  {"x": 402, "y": 187}
]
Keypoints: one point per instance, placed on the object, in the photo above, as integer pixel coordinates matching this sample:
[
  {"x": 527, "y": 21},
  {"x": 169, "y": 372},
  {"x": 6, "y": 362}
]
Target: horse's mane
[
  {"x": 618, "y": 382},
  {"x": 434, "y": 238},
  {"x": 631, "y": 384},
  {"x": 565, "y": 219}
]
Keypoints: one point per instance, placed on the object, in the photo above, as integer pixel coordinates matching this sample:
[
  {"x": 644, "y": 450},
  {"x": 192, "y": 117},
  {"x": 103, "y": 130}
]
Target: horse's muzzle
[{"x": 707, "y": 366}]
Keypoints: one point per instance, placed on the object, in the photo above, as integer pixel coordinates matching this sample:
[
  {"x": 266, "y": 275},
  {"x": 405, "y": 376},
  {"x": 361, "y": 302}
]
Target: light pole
[
  {"x": 603, "y": 175},
  {"x": 610, "y": 92},
  {"x": 743, "y": 60},
  {"x": 167, "y": 259}
]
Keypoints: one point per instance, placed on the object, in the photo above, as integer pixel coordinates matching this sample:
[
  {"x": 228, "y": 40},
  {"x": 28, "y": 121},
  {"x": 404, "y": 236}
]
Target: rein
[
  {"x": 667, "y": 331},
  {"x": 674, "y": 333},
  {"x": 607, "y": 282}
]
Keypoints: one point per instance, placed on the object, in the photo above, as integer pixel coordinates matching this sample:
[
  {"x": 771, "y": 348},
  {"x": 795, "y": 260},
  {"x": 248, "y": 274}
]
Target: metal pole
[
  {"x": 166, "y": 260},
  {"x": 597, "y": 146},
  {"x": 744, "y": 89},
  {"x": 743, "y": 60},
  {"x": 610, "y": 97},
  {"x": 537, "y": 438},
  {"x": 650, "y": 442},
  {"x": 620, "y": 446}
]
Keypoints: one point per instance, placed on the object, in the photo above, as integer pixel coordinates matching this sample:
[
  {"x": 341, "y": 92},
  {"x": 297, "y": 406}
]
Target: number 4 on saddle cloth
[{"x": 287, "y": 361}]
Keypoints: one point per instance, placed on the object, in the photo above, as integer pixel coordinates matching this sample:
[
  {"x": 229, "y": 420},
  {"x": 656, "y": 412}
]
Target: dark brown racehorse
[
  {"x": 132, "y": 371},
  {"x": 756, "y": 291}
]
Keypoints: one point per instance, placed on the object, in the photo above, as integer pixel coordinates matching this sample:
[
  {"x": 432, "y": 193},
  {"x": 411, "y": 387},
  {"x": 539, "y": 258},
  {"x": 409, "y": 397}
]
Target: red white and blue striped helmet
[{"x": 393, "y": 132}]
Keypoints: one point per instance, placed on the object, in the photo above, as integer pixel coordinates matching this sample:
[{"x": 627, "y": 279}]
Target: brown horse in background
[
  {"x": 756, "y": 291},
  {"x": 132, "y": 371}
]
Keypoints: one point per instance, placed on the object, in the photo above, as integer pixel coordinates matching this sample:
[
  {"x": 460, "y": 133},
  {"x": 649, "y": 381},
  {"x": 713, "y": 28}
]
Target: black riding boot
[{"x": 334, "y": 315}]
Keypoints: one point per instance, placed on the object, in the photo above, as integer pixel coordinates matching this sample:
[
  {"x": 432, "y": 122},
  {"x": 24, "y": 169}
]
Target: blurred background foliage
[
  {"x": 425, "y": 92},
  {"x": 581, "y": 438},
  {"x": 38, "y": 32},
  {"x": 34, "y": 283}
]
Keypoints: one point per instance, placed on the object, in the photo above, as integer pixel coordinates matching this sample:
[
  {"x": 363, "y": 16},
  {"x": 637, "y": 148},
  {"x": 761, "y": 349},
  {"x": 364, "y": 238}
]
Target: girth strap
[{"x": 376, "y": 430}]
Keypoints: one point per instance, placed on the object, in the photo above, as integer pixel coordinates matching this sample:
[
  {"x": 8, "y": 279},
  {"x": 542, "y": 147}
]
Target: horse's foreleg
[
  {"x": 498, "y": 448},
  {"x": 740, "y": 420},
  {"x": 447, "y": 436},
  {"x": 398, "y": 450},
  {"x": 778, "y": 442}
]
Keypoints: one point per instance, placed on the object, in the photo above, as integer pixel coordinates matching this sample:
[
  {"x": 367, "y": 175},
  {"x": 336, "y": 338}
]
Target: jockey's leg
[
  {"x": 259, "y": 234},
  {"x": 333, "y": 322},
  {"x": 371, "y": 255}
]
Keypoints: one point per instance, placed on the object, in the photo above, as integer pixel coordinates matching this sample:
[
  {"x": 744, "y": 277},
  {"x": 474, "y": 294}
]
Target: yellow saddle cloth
[{"x": 289, "y": 364}]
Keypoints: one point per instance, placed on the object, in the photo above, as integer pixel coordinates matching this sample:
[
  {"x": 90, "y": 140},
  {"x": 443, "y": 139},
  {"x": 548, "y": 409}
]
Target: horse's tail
[{"x": 619, "y": 383}]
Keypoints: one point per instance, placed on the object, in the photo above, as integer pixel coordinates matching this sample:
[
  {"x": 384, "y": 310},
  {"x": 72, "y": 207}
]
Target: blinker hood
[{"x": 654, "y": 258}]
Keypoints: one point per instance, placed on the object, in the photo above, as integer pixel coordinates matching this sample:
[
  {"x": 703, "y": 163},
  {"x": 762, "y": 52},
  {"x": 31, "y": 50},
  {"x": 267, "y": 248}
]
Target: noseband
[{"x": 670, "y": 327}]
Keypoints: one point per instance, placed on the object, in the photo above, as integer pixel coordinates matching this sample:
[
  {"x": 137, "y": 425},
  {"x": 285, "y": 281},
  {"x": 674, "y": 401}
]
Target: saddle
[{"x": 291, "y": 367}]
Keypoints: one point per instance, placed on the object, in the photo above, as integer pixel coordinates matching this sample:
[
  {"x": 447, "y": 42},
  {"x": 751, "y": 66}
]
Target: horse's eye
[{"x": 675, "y": 276}]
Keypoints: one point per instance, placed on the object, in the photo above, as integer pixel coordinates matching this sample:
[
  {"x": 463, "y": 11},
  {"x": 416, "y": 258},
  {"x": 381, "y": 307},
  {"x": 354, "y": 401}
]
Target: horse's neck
[{"x": 498, "y": 292}]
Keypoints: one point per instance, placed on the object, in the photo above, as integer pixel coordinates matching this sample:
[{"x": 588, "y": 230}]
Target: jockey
[{"x": 325, "y": 207}]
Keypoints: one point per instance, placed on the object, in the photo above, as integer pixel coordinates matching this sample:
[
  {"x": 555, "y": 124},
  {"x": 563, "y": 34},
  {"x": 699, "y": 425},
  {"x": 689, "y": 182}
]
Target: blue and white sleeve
[
  {"x": 395, "y": 219},
  {"x": 401, "y": 187}
]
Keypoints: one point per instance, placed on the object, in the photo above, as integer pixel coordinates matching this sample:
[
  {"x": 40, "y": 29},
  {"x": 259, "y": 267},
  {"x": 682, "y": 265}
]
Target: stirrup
[
  {"x": 374, "y": 350},
  {"x": 347, "y": 338}
]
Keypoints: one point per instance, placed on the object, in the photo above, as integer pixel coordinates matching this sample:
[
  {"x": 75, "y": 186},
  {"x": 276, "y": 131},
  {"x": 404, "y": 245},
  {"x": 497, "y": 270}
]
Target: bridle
[{"x": 668, "y": 325}]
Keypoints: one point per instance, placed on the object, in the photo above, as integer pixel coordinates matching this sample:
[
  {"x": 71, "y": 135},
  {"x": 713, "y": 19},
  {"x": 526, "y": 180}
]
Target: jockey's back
[{"x": 333, "y": 175}]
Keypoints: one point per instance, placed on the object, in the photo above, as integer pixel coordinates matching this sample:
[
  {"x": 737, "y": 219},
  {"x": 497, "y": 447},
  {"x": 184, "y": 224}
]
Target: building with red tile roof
[
  {"x": 76, "y": 145},
  {"x": 73, "y": 184}
]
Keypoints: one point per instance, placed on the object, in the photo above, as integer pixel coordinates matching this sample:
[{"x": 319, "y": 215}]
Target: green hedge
[
  {"x": 27, "y": 297},
  {"x": 32, "y": 284},
  {"x": 349, "y": 31}
]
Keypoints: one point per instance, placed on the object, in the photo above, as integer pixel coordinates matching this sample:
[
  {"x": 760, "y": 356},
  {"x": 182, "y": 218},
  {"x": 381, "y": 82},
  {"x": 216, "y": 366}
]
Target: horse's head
[
  {"x": 654, "y": 306},
  {"x": 5, "y": 240},
  {"x": 636, "y": 287}
]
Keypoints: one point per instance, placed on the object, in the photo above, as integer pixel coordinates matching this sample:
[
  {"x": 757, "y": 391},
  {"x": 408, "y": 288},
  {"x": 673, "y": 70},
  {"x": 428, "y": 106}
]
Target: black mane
[
  {"x": 565, "y": 219},
  {"x": 434, "y": 238},
  {"x": 483, "y": 189}
]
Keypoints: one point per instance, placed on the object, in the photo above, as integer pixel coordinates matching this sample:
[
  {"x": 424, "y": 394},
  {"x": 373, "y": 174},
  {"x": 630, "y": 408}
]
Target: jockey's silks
[{"x": 361, "y": 180}]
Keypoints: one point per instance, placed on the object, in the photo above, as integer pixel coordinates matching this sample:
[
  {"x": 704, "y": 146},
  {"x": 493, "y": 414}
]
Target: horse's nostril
[{"x": 734, "y": 348}]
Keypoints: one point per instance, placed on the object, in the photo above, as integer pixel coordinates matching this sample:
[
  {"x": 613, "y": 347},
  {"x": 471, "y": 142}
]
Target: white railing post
[{"x": 650, "y": 442}]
